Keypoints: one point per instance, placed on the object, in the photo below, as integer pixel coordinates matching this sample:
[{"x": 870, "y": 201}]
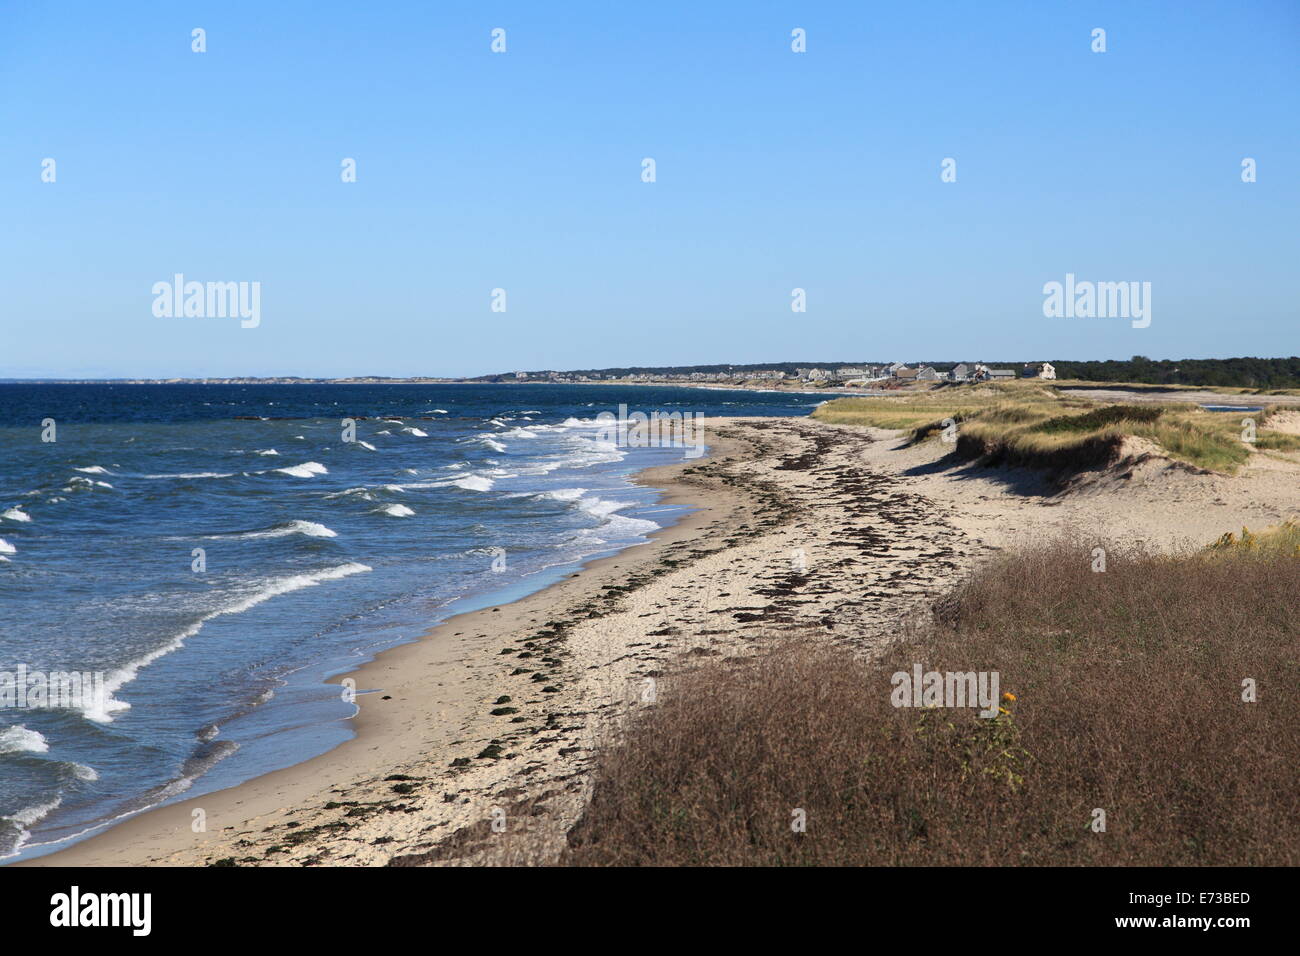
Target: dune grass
[
  {"x": 1032, "y": 424},
  {"x": 1282, "y": 540},
  {"x": 1130, "y": 695}
]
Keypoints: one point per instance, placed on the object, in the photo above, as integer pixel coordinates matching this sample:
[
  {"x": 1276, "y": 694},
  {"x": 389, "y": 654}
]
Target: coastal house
[
  {"x": 927, "y": 374},
  {"x": 1039, "y": 370},
  {"x": 905, "y": 374},
  {"x": 983, "y": 373},
  {"x": 815, "y": 374},
  {"x": 960, "y": 372}
]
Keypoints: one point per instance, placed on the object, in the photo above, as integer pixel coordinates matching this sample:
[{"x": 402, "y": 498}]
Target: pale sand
[{"x": 843, "y": 531}]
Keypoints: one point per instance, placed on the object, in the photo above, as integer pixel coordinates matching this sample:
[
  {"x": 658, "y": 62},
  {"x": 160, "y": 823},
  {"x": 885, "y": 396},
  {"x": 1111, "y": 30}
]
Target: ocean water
[{"x": 316, "y": 553}]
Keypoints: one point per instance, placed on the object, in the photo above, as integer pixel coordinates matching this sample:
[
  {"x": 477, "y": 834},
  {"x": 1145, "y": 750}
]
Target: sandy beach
[{"x": 494, "y": 716}]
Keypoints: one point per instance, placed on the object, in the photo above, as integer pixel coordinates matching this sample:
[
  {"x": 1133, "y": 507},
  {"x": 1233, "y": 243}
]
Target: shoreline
[
  {"x": 386, "y": 735},
  {"x": 800, "y": 528}
]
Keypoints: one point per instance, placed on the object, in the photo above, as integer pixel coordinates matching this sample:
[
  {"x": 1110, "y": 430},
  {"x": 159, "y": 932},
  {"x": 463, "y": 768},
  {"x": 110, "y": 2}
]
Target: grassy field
[
  {"x": 1128, "y": 732},
  {"x": 1029, "y": 423}
]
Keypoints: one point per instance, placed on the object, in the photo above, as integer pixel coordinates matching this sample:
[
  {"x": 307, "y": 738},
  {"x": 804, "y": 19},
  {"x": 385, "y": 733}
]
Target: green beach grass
[{"x": 1032, "y": 424}]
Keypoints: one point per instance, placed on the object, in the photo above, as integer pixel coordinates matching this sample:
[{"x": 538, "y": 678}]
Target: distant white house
[
  {"x": 960, "y": 372},
  {"x": 1039, "y": 370},
  {"x": 815, "y": 374},
  {"x": 927, "y": 374}
]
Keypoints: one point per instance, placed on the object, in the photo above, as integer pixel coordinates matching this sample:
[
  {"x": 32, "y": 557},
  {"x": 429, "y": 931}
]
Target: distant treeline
[{"x": 1243, "y": 372}]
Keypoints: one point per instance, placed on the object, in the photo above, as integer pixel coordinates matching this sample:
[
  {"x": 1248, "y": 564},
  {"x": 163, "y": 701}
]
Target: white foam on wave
[
  {"x": 397, "y": 511},
  {"x": 308, "y": 469},
  {"x": 18, "y": 739},
  {"x": 16, "y": 514},
  {"x": 265, "y": 451},
  {"x": 195, "y": 474},
  {"x": 621, "y": 526},
  {"x": 25, "y": 818},
  {"x": 84, "y": 773},
  {"x": 6, "y": 547},
  {"x": 417, "y": 432},
  {"x": 365, "y": 444},
  {"x": 544, "y": 467},
  {"x": 93, "y": 470},
  {"x": 264, "y": 591},
  {"x": 360, "y": 491},
  {"x": 33, "y": 814},
  {"x": 438, "y": 411},
  {"x": 468, "y": 482},
  {"x": 564, "y": 494},
  {"x": 294, "y": 582},
  {"x": 311, "y": 529},
  {"x": 584, "y": 452},
  {"x": 601, "y": 507}
]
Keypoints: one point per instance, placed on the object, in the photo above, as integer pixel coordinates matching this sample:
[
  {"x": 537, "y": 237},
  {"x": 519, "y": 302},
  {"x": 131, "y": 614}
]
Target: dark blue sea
[{"x": 214, "y": 552}]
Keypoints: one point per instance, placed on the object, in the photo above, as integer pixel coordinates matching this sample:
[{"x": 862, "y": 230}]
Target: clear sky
[{"x": 523, "y": 170}]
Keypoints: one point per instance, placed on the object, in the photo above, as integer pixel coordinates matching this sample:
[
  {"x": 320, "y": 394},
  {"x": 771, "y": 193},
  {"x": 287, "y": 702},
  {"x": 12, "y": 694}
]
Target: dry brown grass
[{"x": 1128, "y": 689}]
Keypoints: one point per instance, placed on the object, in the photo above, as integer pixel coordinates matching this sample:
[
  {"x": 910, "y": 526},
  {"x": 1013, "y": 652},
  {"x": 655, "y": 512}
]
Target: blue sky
[{"x": 522, "y": 171}]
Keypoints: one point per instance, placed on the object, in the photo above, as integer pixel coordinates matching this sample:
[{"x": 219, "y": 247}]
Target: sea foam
[
  {"x": 262, "y": 591},
  {"x": 308, "y": 469},
  {"x": 18, "y": 739}
]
